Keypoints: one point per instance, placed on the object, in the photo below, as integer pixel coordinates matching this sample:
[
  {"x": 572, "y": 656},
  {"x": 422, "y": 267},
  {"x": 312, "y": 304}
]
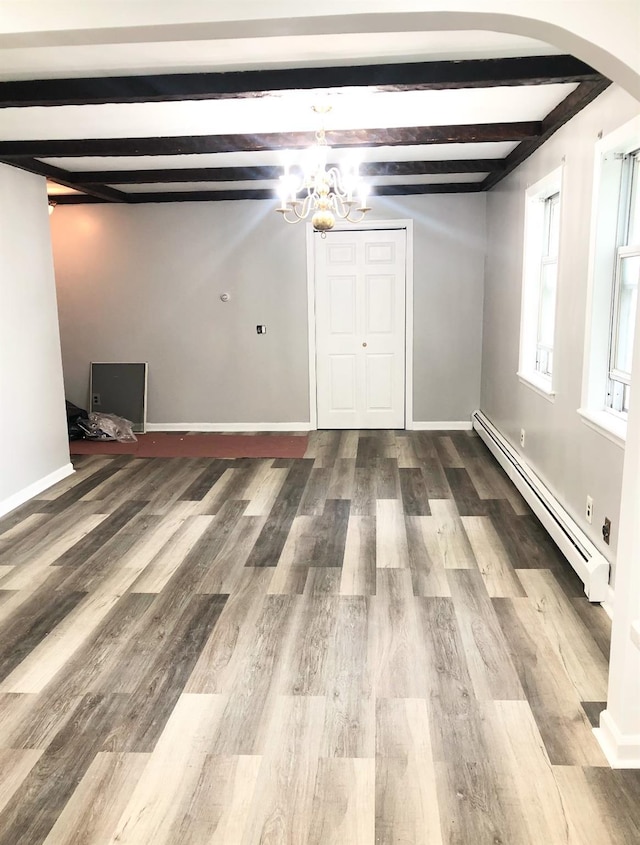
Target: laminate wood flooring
[{"x": 376, "y": 644}]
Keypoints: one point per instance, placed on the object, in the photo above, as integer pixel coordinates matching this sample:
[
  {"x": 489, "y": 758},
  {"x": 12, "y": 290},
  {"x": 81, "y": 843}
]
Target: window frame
[
  {"x": 610, "y": 224},
  {"x": 619, "y": 381},
  {"x": 547, "y": 259},
  {"x": 540, "y": 200}
]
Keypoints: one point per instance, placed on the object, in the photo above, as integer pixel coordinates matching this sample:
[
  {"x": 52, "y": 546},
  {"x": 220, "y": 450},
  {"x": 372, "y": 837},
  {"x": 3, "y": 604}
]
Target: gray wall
[
  {"x": 449, "y": 248},
  {"x": 33, "y": 433},
  {"x": 572, "y": 459},
  {"x": 143, "y": 283}
]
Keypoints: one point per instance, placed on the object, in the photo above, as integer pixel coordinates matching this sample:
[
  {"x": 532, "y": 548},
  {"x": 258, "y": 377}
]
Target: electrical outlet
[
  {"x": 261, "y": 329},
  {"x": 522, "y": 437},
  {"x": 95, "y": 399},
  {"x": 589, "y": 510},
  {"x": 606, "y": 530}
]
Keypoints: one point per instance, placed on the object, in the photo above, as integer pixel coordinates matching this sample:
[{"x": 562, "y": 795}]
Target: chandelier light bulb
[{"x": 364, "y": 193}]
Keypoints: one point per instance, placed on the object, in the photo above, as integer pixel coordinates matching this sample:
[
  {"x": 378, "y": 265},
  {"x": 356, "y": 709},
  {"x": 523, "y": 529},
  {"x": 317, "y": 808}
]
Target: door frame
[{"x": 407, "y": 225}]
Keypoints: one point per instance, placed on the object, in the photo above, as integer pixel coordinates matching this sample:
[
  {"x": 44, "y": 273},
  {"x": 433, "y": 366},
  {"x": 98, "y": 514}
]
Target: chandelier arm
[
  {"x": 341, "y": 211},
  {"x": 350, "y": 218},
  {"x": 309, "y": 200},
  {"x": 344, "y": 192},
  {"x": 286, "y": 219},
  {"x": 296, "y": 210},
  {"x": 343, "y": 207}
]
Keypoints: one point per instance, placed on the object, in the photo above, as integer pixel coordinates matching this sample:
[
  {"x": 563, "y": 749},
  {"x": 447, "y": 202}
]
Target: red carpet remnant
[{"x": 199, "y": 446}]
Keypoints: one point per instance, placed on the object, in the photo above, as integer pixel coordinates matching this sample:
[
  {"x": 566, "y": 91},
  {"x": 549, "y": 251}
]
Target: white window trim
[
  {"x": 527, "y": 372},
  {"x": 616, "y": 376},
  {"x": 539, "y": 384},
  {"x": 592, "y": 411}
]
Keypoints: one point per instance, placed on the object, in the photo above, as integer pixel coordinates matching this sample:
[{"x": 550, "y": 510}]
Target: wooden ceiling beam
[
  {"x": 234, "y": 174},
  {"x": 419, "y": 168},
  {"x": 439, "y": 188},
  {"x": 199, "y": 144},
  {"x": 584, "y": 94},
  {"x": 265, "y": 194},
  {"x": 76, "y": 199},
  {"x": 63, "y": 177},
  {"x": 473, "y": 73}
]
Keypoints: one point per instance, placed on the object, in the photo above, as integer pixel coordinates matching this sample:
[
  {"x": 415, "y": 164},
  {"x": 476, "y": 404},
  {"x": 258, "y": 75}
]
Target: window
[
  {"x": 540, "y": 280},
  {"x": 614, "y": 274},
  {"x": 547, "y": 286},
  {"x": 625, "y": 287}
]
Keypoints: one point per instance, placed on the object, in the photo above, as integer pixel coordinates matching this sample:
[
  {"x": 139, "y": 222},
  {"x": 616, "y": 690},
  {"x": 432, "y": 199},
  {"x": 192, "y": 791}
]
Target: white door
[{"x": 360, "y": 328}]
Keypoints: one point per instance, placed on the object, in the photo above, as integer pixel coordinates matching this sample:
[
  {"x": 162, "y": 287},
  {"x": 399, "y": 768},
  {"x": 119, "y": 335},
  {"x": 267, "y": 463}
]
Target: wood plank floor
[{"x": 374, "y": 644}]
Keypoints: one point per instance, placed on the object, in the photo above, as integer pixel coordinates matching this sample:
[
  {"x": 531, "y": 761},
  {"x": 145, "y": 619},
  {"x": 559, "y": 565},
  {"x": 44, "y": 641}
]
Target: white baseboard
[
  {"x": 35, "y": 489},
  {"x": 588, "y": 562},
  {"x": 456, "y": 425},
  {"x": 232, "y": 427},
  {"x": 621, "y": 750},
  {"x": 441, "y": 425},
  {"x": 607, "y": 604}
]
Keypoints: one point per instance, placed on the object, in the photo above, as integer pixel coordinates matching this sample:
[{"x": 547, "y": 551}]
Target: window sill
[
  {"x": 539, "y": 385},
  {"x": 606, "y": 424}
]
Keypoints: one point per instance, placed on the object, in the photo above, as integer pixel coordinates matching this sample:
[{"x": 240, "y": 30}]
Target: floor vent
[{"x": 590, "y": 565}]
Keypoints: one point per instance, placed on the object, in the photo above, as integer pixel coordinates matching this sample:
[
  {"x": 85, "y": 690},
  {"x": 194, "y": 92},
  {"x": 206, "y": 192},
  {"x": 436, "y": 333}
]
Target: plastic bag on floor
[{"x": 108, "y": 427}]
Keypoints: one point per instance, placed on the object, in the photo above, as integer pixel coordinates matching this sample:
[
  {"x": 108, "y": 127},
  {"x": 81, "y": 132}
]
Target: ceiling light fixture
[{"x": 326, "y": 193}]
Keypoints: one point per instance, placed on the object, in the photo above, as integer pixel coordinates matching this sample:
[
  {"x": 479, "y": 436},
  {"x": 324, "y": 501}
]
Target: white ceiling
[{"x": 195, "y": 56}]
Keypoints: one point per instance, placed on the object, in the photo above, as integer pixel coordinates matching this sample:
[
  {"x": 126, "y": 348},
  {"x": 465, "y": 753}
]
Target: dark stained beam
[
  {"x": 264, "y": 194},
  {"x": 76, "y": 199},
  {"x": 174, "y": 196},
  {"x": 203, "y": 196},
  {"x": 233, "y": 174},
  {"x": 63, "y": 177},
  {"x": 182, "y": 174},
  {"x": 440, "y": 188},
  {"x": 194, "y": 144},
  {"x": 420, "y": 168},
  {"x": 564, "y": 111},
  {"x": 474, "y": 73}
]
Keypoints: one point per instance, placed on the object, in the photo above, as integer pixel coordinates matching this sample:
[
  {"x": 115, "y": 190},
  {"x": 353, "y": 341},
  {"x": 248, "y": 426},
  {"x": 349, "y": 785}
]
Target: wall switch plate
[
  {"x": 606, "y": 530},
  {"x": 261, "y": 329},
  {"x": 522, "y": 437},
  {"x": 589, "y": 510}
]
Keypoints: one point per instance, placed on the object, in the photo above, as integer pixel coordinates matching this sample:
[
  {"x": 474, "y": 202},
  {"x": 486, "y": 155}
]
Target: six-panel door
[{"x": 360, "y": 329}]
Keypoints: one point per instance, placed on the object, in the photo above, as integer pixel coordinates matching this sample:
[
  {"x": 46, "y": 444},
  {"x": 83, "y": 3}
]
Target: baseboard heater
[{"x": 590, "y": 564}]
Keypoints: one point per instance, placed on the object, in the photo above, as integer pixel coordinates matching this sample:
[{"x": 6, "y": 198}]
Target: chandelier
[{"x": 325, "y": 193}]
